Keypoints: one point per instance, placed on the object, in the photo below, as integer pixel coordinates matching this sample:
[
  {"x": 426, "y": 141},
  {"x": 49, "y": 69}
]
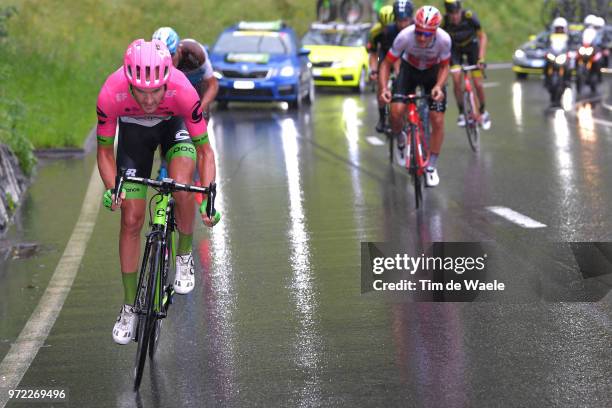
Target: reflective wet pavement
[{"x": 277, "y": 318}]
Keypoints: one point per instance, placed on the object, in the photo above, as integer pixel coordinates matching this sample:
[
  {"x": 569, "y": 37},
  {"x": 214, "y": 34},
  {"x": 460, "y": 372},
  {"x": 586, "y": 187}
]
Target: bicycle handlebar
[
  {"x": 468, "y": 68},
  {"x": 168, "y": 185}
]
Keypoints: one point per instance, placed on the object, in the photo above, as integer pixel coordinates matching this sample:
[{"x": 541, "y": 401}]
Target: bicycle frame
[
  {"x": 467, "y": 88},
  {"x": 417, "y": 160}
]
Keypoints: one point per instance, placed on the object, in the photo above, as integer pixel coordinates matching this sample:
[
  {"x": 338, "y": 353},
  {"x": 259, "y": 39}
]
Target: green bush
[{"x": 11, "y": 109}]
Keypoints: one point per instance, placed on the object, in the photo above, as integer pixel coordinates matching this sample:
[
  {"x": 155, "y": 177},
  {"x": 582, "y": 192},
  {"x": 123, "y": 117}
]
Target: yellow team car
[{"x": 338, "y": 54}]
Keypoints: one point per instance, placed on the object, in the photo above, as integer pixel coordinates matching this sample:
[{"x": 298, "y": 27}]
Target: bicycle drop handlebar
[{"x": 168, "y": 185}]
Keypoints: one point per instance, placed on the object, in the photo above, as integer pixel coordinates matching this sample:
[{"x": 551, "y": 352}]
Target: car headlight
[
  {"x": 519, "y": 54},
  {"x": 561, "y": 59},
  {"x": 287, "y": 71},
  {"x": 217, "y": 74},
  {"x": 551, "y": 57}
]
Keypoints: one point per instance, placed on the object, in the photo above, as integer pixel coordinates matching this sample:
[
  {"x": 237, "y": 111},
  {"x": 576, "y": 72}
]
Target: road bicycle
[
  {"x": 416, "y": 150},
  {"x": 154, "y": 292},
  {"x": 471, "y": 109}
]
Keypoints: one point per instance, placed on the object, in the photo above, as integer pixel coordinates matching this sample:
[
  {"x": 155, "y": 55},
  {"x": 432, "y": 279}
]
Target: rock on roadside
[{"x": 13, "y": 185}]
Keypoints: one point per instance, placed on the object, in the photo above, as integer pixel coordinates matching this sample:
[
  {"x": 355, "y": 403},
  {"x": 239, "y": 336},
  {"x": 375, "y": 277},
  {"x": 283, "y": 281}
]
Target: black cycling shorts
[
  {"x": 137, "y": 144},
  {"x": 470, "y": 52},
  {"x": 409, "y": 78}
]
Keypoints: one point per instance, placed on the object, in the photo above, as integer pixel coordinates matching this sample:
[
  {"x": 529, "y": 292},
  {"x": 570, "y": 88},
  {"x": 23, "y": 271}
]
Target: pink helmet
[
  {"x": 428, "y": 18},
  {"x": 147, "y": 64}
]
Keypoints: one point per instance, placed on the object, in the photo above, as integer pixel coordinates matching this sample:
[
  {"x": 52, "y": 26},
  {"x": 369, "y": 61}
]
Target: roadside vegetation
[
  {"x": 12, "y": 110},
  {"x": 57, "y": 53}
]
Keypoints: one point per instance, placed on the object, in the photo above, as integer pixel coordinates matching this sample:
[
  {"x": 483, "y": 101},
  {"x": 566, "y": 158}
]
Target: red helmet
[
  {"x": 147, "y": 64},
  {"x": 428, "y": 18}
]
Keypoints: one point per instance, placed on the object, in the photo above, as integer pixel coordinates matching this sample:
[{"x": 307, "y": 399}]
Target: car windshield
[
  {"x": 345, "y": 39},
  {"x": 253, "y": 42}
]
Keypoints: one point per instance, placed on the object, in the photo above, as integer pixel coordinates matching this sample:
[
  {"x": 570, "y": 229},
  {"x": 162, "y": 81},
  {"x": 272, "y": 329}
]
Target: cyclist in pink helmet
[
  {"x": 147, "y": 64},
  {"x": 425, "y": 51},
  {"x": 153, "y": 104}
]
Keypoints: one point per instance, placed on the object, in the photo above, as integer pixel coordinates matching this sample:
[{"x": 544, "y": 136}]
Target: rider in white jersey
[{"x": 425, "y": 50}]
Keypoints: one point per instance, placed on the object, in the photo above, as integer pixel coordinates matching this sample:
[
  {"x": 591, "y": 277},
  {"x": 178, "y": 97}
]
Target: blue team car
[{"x": 262, "y": 62}]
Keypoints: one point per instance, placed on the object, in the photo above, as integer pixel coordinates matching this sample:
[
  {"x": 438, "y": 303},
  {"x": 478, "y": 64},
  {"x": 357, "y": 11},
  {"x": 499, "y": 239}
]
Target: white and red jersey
[
  {"x": 115, "y": 101},
  {"x": 437, "y": 52}
]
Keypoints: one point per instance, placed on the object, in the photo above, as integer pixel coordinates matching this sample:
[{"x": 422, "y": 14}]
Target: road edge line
[{"x": 25, "y": 348}]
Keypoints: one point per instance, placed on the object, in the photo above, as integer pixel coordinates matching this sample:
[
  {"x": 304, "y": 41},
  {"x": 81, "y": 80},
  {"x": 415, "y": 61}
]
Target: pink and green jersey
[{"x": 115, "y": 101}]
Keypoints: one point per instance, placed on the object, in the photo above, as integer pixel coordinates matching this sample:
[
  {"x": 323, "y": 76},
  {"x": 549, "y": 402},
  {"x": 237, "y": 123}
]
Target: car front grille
[
  {"x": 228, "y": 73},
  {"x": 322, "y": 64}
]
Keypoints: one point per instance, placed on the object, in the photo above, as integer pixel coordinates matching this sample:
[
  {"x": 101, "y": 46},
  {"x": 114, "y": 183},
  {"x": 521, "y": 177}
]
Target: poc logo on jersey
[
  {"x": 181, "y": 135},
  {"x": 183, "y": 148},
  {"x": 120, "y": 97},
  {"x": 130, "y": 172},
  {"x": 171, "y": 93}
]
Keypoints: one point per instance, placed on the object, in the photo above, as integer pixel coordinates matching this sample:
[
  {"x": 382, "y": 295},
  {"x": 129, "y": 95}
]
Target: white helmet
[
  {"x": 589, "y": 21},
  {"x": 599, "y": 22},
  {"x": 559, "y": 22}
]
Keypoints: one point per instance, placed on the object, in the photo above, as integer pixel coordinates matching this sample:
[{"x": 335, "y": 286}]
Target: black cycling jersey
[
  {"x": 381, "y": 39},
  {"x": 466, "y": 31}
]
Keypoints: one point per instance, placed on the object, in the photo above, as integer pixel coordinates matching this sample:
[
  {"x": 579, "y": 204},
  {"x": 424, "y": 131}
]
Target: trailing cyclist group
[{"x": 421, "y": 49}]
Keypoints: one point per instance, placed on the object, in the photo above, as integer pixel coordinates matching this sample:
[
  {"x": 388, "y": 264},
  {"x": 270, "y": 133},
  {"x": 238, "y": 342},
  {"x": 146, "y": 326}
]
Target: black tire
[
  {"x": 168, "y": 261},
  {"x": 363, "y": 81},
  {"x": 297, "y": 103},
  {"x": 414, "y": 171},
  {"x": 310, "y": 98},
  {"x": 147, "y": 321},
  {"x": 326, "y": 11},
  {"x": 391, "y": 145},
  {"x": 351, "y": 11},
  {"x": 521, "y": 76},
  {"x": 579, "y": 80},
  {"x": 471, "y": 126}
]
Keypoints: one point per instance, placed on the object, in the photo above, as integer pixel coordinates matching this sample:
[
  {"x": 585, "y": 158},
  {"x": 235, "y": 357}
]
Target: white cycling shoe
[
  {"x": 400, "y": 144},
  {"x": 485, "y": 119},
  {"x": 461, "y": 120},
  {"x": 123, "y": 331},
  {"x": 185, "y": 274},
  {"x": 431, "y": 177}
]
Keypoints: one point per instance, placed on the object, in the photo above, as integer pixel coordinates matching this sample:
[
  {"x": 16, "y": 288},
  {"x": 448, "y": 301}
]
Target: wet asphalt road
[{"x": 277, "y": 318}]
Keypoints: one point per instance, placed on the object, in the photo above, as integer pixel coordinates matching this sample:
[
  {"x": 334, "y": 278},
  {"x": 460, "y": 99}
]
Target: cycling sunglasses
[{"x": 426, "y": 34}]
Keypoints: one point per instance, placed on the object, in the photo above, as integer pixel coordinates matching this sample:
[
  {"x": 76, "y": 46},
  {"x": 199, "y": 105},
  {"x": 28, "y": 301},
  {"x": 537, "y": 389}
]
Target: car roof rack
[
  {"x": 262, "y": 25},
  {"x": 338, "y": 26}
]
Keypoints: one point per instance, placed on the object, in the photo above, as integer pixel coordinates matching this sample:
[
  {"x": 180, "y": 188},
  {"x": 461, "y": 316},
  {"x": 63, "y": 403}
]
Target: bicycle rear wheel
[
  {"x": 414, "y": 168},
  {"x": 471, "y": 124},
  {"x": 351, "y": 11},
  {"x": 146, "y": 303}
]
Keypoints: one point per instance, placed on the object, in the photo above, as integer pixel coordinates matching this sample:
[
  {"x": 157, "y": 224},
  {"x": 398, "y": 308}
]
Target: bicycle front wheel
[
  {"x": 471, "y": 124},
  {"x": 414, "y": 168},
  {"x": 163, "y": 290},
  {"x": 147, "y": 320}
]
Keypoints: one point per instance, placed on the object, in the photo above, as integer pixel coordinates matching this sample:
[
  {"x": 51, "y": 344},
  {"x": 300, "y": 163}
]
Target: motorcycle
[
  {"x": 557, "y": 69},
  {"x": 588, "y": 63}
]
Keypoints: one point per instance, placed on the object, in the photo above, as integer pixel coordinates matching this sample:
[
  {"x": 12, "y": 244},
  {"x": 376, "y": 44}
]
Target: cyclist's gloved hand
[
  {"x": 108, "y": 199},
  {"x": 482, "y": 64},
  {"x": 374, "y": 75},
  {"x": 212, "y": 221}
]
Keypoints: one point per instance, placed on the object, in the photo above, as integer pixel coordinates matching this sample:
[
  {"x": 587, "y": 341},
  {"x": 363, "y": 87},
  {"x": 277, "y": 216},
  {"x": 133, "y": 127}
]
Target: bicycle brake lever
[{"x": 118, "y": 186}]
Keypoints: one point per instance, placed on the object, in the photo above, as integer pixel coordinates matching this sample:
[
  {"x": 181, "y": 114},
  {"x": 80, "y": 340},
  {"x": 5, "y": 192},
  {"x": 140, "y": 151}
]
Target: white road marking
[
  {"x": 375, "y": 141},
  {"x": 515, "y": 217},
  {"x": 490, "y": 84},
  {"x": 32, "y": 337}
]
